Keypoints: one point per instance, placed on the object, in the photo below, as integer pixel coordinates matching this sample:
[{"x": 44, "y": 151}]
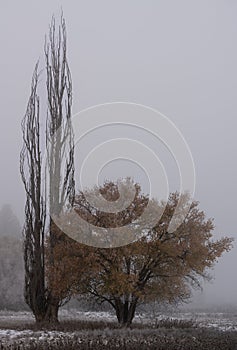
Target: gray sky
[{"x": 176, "y": 56}]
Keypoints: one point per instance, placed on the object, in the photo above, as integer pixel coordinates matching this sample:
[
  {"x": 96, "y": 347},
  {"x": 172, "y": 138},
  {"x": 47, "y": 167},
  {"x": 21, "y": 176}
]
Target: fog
[{"x": 178, "y": 57}]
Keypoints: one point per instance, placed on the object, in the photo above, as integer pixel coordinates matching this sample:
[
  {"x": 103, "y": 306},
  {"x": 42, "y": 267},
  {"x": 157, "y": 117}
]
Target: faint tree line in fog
[{"x": 11, "y": 261}]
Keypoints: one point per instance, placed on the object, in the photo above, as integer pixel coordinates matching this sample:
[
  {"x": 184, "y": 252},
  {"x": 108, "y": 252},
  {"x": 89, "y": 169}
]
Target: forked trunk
[
  {"x": 49, "y": 314},
  {"x": 125, "y": 311}
]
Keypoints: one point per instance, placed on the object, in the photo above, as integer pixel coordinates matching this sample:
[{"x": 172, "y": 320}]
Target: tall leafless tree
[
  {"x": 35, "y": 210},
  {"x": 42, "y": 200},
  {"x": 60, "y": 143},
  {"x": 59, "y": 134}
]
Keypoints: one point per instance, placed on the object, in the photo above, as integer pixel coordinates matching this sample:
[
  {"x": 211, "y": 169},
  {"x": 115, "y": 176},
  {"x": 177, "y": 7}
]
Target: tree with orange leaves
[{"x": 157, "y": 265}]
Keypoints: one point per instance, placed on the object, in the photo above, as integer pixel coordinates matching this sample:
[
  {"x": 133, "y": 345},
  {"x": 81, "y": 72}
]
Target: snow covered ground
[{"x": 224, "y": 321}]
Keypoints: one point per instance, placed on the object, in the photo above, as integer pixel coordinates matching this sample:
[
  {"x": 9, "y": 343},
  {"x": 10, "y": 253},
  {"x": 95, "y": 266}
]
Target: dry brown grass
[{"x": 165, "y": 335}]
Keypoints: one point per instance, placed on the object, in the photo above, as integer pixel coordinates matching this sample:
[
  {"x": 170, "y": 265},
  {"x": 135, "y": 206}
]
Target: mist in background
[{"x": 178, "y": 57}]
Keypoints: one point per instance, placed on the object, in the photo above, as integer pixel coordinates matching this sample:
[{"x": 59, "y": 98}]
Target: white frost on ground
[
  {"x": 8, "y": 336},
  {"x": 74, "y": 314},
  {"x": 16, "y": 317},
  {"x": 221, "y": 321}
]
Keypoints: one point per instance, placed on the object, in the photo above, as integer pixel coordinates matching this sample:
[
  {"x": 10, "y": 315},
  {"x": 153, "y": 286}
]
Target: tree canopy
[{"x": 159, "y": 265}]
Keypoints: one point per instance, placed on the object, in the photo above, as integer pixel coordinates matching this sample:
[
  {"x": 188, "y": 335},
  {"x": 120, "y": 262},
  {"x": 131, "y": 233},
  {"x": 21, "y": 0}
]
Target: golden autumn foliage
[{"x": 159, "y": 265}]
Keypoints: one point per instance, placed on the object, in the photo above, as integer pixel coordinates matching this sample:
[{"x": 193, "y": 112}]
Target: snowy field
[
  {"x": 18, "y": 327},
  {"x": 222, "y": 321}
]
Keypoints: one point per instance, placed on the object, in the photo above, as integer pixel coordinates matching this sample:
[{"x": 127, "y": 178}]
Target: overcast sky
[{"x": 178, "y": 57}]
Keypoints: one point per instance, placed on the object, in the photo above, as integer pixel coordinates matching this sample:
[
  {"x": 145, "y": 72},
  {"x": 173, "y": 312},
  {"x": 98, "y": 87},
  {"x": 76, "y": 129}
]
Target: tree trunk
[
  {"x": 125, "y": 311},
  {"x": 50, "y": 314}
]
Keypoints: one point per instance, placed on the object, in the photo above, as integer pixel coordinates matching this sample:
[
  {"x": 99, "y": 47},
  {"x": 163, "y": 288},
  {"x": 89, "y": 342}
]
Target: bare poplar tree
[
  {"x": 35, "y": 210},
  {"x": 59, "y": 136},
  {"x": 60, "y": 143},
  {"x": 60, "y": 189}
]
